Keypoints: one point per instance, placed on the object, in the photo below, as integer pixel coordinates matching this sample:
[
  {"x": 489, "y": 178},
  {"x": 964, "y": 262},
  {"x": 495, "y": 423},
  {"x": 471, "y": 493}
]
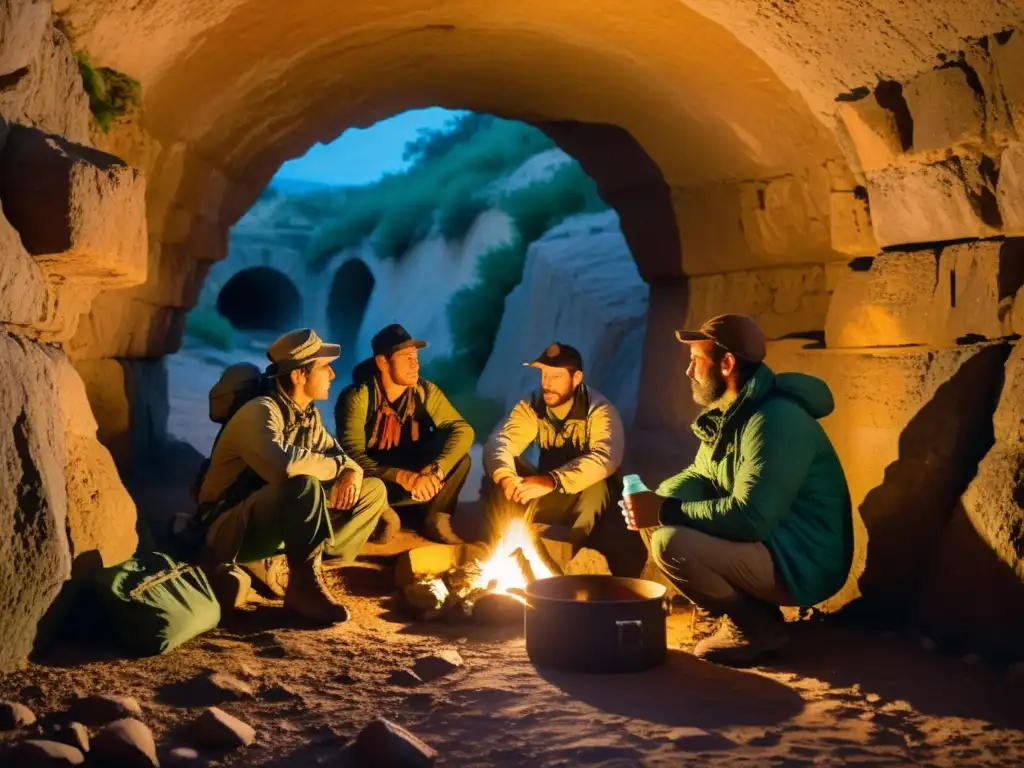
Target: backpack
[
  {"x": 155, "y": 603},
  {"x": 237, "y": 385}
]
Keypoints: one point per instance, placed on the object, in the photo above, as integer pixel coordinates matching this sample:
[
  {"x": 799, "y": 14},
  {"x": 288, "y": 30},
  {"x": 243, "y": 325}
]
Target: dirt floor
[{"x": 839, "y": 696}]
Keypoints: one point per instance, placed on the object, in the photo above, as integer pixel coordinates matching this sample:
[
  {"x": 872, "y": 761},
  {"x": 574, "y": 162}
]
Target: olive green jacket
[
  {"x": 767, "y": 472},
  {"x": 433, "y": 409}
]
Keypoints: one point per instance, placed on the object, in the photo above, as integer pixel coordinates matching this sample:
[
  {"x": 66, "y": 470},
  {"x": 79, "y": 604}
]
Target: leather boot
[
  {"x": 308, "y": 594},
  {"x": 438, "y": 528},
  {"x": 749, "y": 630}
]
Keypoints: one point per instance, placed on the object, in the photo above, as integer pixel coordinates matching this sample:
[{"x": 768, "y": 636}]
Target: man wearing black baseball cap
[
  {"x": 762, "y": 518},
  {"x": 401, "y": 428},
  {"x": 581, "y": 440}
]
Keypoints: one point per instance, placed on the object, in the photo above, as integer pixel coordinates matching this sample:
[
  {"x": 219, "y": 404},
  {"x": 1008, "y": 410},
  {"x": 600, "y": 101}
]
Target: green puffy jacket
[{"x": 766, "y": 471}]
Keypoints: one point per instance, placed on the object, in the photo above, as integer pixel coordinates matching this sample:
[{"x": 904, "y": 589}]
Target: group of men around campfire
[{"x": 761, "y": 519}]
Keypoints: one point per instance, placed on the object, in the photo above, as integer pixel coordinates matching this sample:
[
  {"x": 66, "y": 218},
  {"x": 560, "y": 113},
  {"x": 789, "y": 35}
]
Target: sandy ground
[{"x": 840, "y": 696}]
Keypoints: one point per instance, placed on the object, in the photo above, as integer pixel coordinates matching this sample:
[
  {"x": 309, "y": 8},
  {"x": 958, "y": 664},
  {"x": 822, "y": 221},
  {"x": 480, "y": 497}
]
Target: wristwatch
[{"x": 557, "y": 481}]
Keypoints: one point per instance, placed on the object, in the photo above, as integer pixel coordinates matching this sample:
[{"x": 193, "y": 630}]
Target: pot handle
[{"x": 631, "y": 634}]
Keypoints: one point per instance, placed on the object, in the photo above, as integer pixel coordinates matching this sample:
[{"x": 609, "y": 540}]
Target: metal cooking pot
[{"x": 595, "y": 623}]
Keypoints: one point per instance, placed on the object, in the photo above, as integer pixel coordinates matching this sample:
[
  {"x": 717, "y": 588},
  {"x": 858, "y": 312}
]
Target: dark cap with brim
[
  {"x": 559, "y": 356},
  {"x": 738, "y": 334},
  {"x": 394, "y": 338}
]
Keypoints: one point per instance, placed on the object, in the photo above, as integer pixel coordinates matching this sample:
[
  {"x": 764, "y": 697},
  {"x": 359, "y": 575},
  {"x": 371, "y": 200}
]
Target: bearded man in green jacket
[{"x": 762, "y": 518}]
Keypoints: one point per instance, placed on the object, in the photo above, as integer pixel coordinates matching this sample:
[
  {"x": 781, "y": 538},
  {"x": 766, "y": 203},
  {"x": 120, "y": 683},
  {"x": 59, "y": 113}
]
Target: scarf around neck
[
  {"x": 299, "y": 425},
  {"x": 388, "y": 419}
]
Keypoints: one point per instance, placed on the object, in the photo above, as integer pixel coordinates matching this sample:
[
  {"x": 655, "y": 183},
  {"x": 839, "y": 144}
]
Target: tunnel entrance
[
  {"x": 260, "y": 299},
  {"x": 346, "y": 304}
]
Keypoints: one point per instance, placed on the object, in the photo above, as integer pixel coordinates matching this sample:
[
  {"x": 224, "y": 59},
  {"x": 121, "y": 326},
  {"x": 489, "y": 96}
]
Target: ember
[
  {"x": 453, "y": 595},
  {"x": 514, "y": 563}
]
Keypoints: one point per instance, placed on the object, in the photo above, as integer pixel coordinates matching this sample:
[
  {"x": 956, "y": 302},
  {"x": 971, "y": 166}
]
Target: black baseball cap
[
  {"x": 738, "y": 334},
  {"x": 559, "y": 355},
  {"x": 392, "y": 339}
]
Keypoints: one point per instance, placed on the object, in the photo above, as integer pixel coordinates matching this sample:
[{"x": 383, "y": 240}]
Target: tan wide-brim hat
[{"x": 298, "y": 348}]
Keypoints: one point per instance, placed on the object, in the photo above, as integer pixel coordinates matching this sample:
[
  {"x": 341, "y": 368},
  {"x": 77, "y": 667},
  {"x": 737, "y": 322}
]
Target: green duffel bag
[{"x": 154, "y": 603}]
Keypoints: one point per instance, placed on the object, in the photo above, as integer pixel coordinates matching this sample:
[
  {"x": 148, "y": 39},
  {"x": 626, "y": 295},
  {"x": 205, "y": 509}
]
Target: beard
[
  {"x": 554, "y": 399},
  {"x": 707, "y": 393}
]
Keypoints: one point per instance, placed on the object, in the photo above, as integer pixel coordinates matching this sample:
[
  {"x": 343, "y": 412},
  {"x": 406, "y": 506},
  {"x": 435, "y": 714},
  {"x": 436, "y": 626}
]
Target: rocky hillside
[{"x": 311, "y": 258}]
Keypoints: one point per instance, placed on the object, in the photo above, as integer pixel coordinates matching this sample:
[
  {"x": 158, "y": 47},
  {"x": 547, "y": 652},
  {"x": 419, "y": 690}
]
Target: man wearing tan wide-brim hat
[{"x": 278, "y": 480}]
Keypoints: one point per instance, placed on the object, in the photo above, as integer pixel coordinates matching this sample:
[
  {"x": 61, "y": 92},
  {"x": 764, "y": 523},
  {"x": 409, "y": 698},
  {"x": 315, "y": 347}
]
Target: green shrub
[
  {"x": 111, "y": 93},
  {"x": 544, "y": 204},
  {"x": 475, "y": 311},
  {"x": 457, "y": 378},
  {"x": 446, "y": 177},
  {"x": 402, "y": 226},
  {"x": 210, "y": 326},
  {"x": 361, "y": 219}
]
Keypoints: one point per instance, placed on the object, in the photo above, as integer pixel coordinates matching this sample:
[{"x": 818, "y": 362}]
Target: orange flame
[{"x": 502, "y": 569}]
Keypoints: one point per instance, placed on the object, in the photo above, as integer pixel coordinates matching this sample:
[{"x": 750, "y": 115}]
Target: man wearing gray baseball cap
[{"x": 762, "y": 518}]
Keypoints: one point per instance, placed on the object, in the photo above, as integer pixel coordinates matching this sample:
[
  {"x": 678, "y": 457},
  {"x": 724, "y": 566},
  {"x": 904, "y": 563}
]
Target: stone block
[
  {"x": 787, "y": 215},
  {"x": 23, "y": 24},
  {"x": 924, "y": 297},
  {"x": 47, "y": 93},
  {"x": 23, "y": 291},
  {"x": 79, "y": 211},
  {"x": 33, "y": 499},
  {"x": 850, "y": 223},
  {"x": 873, "y": 132},
  {"x": 101, "y": 514},
  {"x": 945, "y": 109},
  {"x": 784, "y": 301},
  {"x": 950, "y": 200},
  {"x": 973, "y": 594},
  {"x": 1008, "y": 57},
  {"x": 120, "y": 326},
  {"x": 1010, "y": 189},
  {"x": 909, "y": 427},
  {"x": 710, "y": 229},
  {"x": 426, "y": 561},
  {"x": 107, "y": 392},
  {"x": 174, "y": 279}
]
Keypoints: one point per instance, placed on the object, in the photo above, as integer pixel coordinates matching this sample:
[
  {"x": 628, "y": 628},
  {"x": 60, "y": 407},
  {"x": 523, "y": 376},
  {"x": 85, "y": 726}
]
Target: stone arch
[
  {"x": 776, "y": 149},
  {"x": 349, "y": 295},
  {"x": 260, "y": 299}
]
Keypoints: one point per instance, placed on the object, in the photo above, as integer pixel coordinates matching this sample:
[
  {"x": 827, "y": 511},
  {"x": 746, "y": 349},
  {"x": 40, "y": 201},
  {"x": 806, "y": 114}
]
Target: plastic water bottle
[{"x": 632, "y": 484}]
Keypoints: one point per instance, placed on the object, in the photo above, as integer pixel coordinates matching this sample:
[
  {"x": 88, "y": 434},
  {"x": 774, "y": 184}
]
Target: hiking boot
[
  {"x": 749, "y": 631},
  {"x": 387, "y": 527},
  {"x": 309, "y": 596},
  {"x": 438, "y": 528},
  {"x": 272, "y": 572},
  {"x": 230, "y": 586}
]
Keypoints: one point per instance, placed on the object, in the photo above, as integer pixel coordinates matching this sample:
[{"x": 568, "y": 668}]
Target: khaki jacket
[
  {"x": 254, "y": 437},
  {"x": 603, "y": 445}
]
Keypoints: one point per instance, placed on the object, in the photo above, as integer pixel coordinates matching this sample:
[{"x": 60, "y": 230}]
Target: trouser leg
[
  {"x": 352, "y": 528},
  {"x": 623, "y": 549},
  {"x": 292, "y": 515},
  {"x": 713, "y": 572},
  {"x": 446, "y": 499}
]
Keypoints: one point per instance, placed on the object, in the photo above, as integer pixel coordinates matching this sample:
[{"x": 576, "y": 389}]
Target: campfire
[{"x": 488, "y": 589}]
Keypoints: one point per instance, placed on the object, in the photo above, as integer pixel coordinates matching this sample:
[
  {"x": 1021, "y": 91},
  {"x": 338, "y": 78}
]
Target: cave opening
[
  {"x": 349, "y": 296},
  {"x": 260, "y": 299}
]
